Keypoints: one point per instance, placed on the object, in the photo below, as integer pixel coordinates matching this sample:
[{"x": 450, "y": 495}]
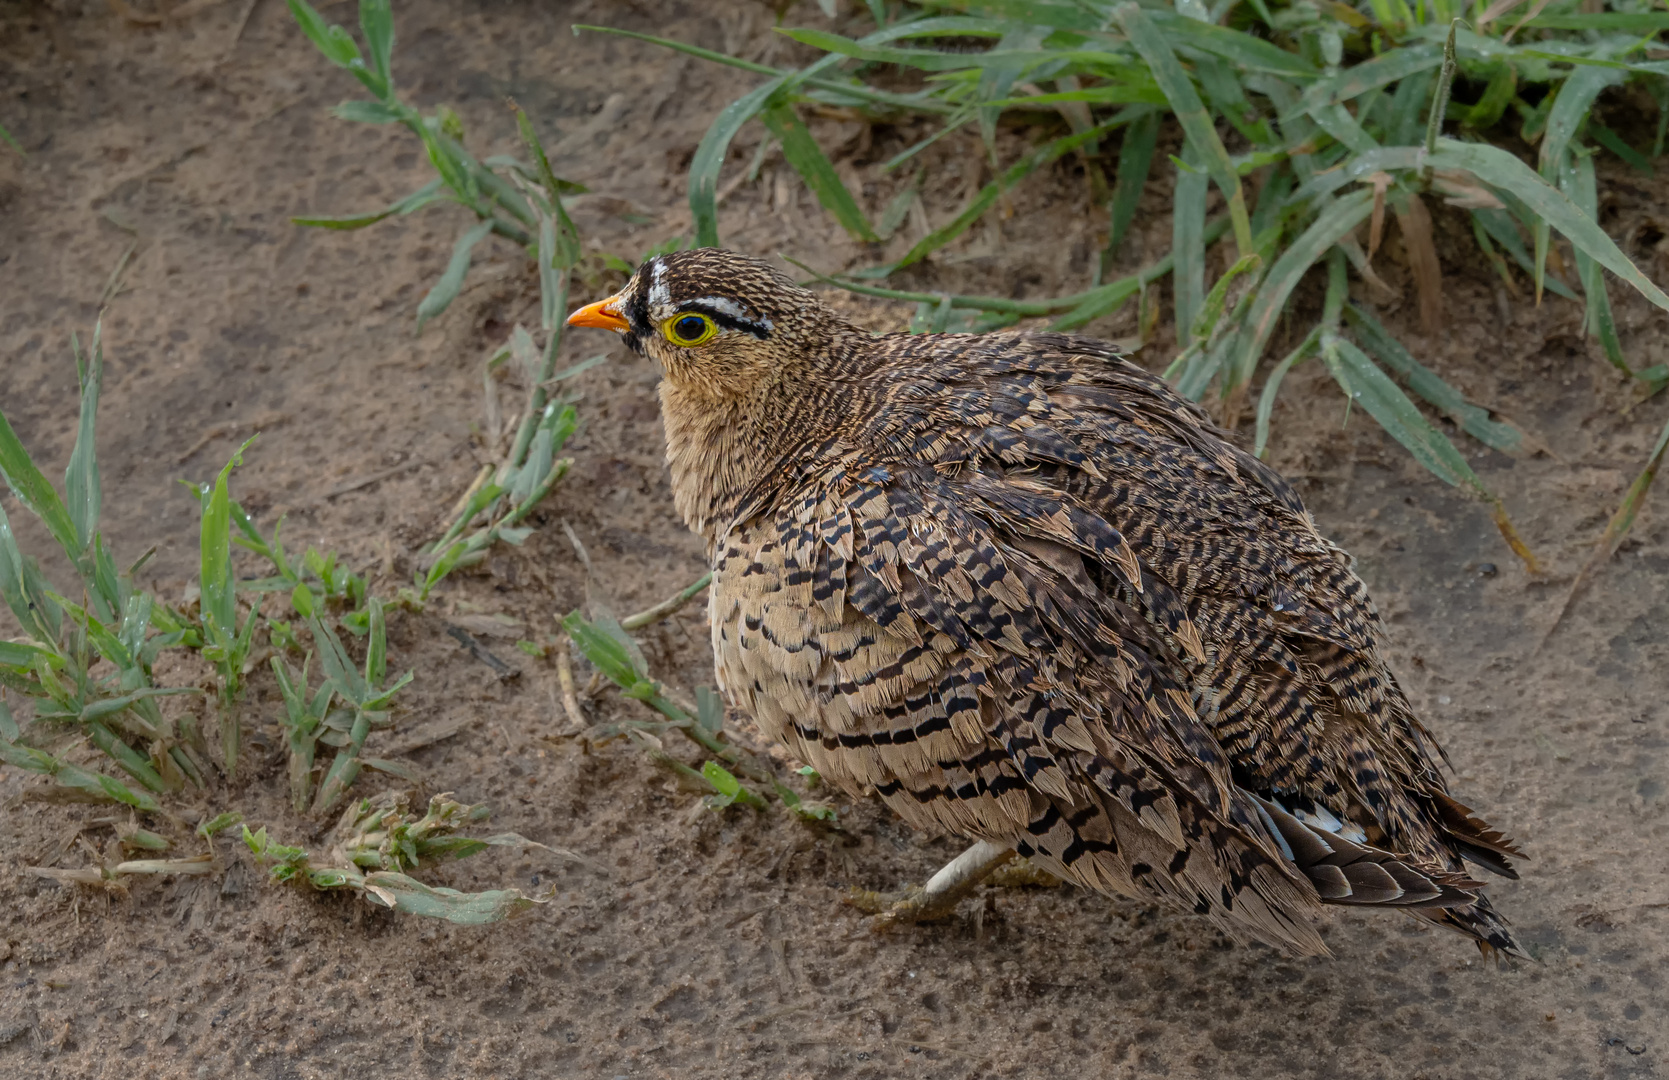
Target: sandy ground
[{"x": 716, "y": 944}]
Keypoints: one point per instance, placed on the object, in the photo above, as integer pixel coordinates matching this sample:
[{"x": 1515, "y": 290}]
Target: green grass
[
  {"x": 607, "y": 645},
  {"x": 80, "y": 703},
  {"x": 1331, "y": 113}
]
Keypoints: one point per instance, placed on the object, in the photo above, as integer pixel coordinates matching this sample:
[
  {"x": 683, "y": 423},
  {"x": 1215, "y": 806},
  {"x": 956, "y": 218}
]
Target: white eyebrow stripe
[
  {"x": 659, "y": 295},
  {"x": 731, "y": 308}
]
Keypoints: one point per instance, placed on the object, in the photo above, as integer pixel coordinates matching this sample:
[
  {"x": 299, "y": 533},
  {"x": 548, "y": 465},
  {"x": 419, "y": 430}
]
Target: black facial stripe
[
  {"x": 637, "y": 312},
  {"x": 729, "y": 321}
]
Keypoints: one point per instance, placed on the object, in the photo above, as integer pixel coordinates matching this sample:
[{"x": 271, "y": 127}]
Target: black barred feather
[{"x": 1023, "y": 591}]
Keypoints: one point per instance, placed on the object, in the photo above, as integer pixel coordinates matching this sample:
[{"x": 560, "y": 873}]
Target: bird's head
[{"x": 724, "y": 326}]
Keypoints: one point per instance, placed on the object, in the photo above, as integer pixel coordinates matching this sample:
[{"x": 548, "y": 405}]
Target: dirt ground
[{"x": 716, "y": 944}]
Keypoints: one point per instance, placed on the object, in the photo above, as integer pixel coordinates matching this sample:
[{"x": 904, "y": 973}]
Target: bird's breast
[{"x": 867, "y": 707}]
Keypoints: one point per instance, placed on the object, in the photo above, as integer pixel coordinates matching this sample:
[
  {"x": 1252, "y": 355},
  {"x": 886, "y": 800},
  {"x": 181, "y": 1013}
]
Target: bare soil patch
[{"x": 716, "y": 944}]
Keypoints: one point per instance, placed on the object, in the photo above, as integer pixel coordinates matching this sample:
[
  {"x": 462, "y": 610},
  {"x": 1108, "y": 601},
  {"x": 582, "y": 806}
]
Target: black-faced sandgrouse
[{"x": 1023, "y": 591}]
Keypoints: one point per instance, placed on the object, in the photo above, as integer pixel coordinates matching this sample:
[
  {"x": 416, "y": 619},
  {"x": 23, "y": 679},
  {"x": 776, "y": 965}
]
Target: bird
[{"x": 1019, "y": 588}]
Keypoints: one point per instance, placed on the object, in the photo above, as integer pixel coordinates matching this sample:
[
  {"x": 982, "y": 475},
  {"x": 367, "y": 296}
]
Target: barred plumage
[{"x": 1023, "y": 591}]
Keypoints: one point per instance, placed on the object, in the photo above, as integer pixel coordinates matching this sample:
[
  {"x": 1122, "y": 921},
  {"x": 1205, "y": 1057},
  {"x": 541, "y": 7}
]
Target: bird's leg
[{"x": 939, "y": 897}]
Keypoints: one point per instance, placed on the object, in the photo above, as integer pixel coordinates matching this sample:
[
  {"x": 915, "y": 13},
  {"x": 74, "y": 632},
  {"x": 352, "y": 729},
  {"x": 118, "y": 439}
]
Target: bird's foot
[
  {"x": 911, "y": 905},
  {"x": 939, "y": 897}
]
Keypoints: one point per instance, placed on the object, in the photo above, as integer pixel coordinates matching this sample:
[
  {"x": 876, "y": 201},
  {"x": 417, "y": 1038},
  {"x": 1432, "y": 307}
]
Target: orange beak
[{"x": 604, "y": 314}]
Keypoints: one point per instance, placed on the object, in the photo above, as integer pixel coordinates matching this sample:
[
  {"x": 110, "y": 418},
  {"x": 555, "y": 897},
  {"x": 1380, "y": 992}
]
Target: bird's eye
[{"x": 689, "y": 329}]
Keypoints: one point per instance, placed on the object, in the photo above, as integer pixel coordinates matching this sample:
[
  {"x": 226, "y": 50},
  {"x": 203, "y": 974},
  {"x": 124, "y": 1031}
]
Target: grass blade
[
  {"x": 709, "y": 159},
  {"x": 35, "y": 492},
  {"x": 376, "y": 21},
  {"x": 1205, "y": 322},
  {"x": 370, "y": 112},
  {"x": 97, "y": 785},
  {"x": 332, "y": 41},
  {"x": 1190, "y": 113},
  {"x": 1501, "y": 227},
  {"x": 842, "y": 93},
  {"x": 1135, "y": 160},
  {"x": 1272, "y": 387},
  {"x": 1474, "y": 420},
  {"x": 1391, "y": 66},
  {"x": 1188, "y": 242},
  {"x": 1363, "y": 382},
  {"x": 218, "y": 589},
  {"x": 1576, "y": 179},
  {"x": 936, "y": 60},
  {"x": 1627, "y": 22},
  {"x": 989, "y": 194},
  {"x": 429, "y": 193},
  {"x": 26, "y": 592},
  {"x": 1613, "y": 142},
  {"x": 451, "y": 282},
  {"x": 407, "y": 894},
  {"x": 81, "y": 478},
  {"x": 801, "y": 151},
  {"x": 1500, "y": 169},
  {"x": 1571, "y": 107},
  {"x": 1107, "y": 298},
  {"x": 1338, "y": 219},
  {"x": 1616, "y": 530},
  {"x": 566, "y": 251},
  {"x": 898, "y": 208}
]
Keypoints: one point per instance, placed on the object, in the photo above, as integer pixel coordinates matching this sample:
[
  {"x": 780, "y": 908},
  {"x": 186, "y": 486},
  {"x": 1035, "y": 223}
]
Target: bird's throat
[{"x": 714, "y": 450}]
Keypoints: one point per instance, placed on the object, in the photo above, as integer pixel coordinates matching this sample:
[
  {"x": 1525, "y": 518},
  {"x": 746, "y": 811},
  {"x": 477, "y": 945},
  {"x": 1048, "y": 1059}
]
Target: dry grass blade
[
  {"x": 1496, "y": 10},
  {"x": 565, "y": 678},
  {"x": 1415, "y": 221},
  {"x": 1616, "y": 531},
  {"x": 1376, "y": 223},
  {"x": 668, "y": 606},
  {"x": 1535, "y": 9}
]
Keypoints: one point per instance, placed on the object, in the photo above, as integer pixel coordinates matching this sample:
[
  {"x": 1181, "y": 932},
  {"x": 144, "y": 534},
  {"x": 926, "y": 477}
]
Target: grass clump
[
  {"x": 378, "y": 839},
  {"x": 1311, "y": 120},
  {"x": 607, "y": 645},
  {"x": 519, "y": 200},
  {"x": 79, "y": 700}
]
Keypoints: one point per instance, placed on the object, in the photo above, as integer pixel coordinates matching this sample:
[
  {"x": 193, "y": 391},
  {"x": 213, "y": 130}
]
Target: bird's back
[{"x": 1026, "y": 593}]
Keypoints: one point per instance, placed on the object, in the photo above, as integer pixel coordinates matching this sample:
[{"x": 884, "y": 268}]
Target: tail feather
[
  {"x": 1344, "y": 871},
  {"x": 1480, "y": 922},
  {"x": 1473, "y": 839}
]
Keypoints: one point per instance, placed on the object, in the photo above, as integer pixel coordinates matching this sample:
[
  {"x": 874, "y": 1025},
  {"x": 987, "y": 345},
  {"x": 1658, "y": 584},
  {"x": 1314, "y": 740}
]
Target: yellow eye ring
[{"x": 689, "y": 329}]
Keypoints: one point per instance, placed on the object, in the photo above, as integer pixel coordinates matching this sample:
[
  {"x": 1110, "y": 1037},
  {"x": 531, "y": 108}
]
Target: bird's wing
[
  {"x": 1090, "y": 708},
  {"x": 1269, "y": 628}
]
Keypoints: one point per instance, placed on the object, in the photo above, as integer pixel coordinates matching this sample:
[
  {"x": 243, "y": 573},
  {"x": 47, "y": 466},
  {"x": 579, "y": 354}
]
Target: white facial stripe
[
  {"x": 659, "y": 297},
  {"x": 731, "y": 308}
]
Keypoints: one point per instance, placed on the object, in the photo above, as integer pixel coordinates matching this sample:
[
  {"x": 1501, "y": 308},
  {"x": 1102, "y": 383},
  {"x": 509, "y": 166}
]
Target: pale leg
[{"x": 939, "y": 897}]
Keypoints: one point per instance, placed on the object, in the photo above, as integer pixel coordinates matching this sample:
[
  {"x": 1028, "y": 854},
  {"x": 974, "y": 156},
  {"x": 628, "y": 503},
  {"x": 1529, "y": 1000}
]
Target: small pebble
[
  {"x": 1444, "y": 699},
  {"x": 1486, "y": 569}
]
